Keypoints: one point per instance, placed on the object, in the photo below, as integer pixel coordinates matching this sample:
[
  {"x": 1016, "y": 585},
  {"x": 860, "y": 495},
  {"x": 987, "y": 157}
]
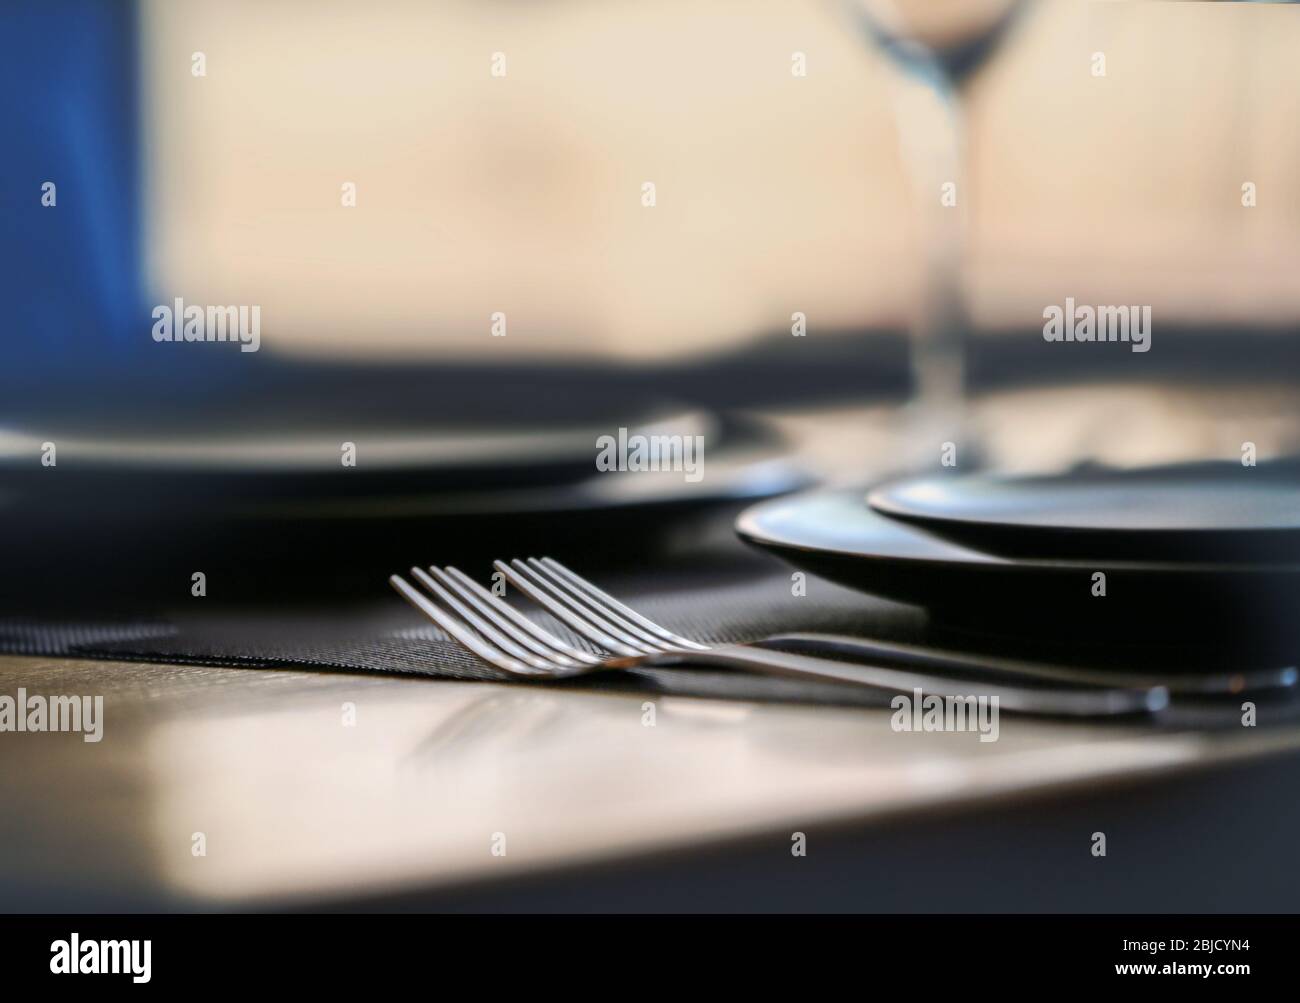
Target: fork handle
[
  {"x": 1053, "y": 700},
  {"x": 985, "y": 666}
]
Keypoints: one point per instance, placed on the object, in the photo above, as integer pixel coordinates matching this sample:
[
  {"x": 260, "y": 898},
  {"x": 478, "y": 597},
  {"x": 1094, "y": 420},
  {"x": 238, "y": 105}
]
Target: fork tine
[
  {"x": 487, "y": 630},
  {"x": 459, "y": 631},
  {"x": 630, "y": 614},
  {"x": 505, "y": 610},
  {"x": 588, "y": 612},
  {"x": 518, "y": 574},
  {"x": 533, "y": 638},
  {"x": 587, "y": 601}
]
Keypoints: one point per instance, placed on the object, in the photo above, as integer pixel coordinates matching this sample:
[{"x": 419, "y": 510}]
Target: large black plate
[
  {"x": 835, "y": 535},
  {"x": 137, "y": 537}
]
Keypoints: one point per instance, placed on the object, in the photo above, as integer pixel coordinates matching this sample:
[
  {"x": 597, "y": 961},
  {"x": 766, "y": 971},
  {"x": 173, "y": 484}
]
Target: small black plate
[{"x": 1192, "y": 512}]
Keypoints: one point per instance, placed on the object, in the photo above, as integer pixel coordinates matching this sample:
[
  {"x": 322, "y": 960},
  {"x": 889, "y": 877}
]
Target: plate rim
[
  {"x": 875, "y": 499},
  {"x": 967, "y": 557}
]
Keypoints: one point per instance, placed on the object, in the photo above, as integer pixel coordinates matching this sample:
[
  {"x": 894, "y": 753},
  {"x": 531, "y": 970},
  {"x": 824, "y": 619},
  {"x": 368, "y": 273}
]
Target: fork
[
  {"x": 496, "y": 632},
  {"x": 947, "y": 663}
]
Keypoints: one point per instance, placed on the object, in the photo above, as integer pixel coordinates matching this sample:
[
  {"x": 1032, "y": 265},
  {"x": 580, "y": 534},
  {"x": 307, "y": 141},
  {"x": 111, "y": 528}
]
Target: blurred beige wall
[
  {"x": 775, "y": 193},
  {"x": 1127, "y": 189}
]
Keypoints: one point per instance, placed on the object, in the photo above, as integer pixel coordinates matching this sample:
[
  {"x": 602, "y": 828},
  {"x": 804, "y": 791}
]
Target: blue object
[{"x": 70, "y": 271}]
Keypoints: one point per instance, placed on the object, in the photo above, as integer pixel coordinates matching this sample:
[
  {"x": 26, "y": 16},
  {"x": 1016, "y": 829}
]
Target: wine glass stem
[{"x": 927, "y": 109}]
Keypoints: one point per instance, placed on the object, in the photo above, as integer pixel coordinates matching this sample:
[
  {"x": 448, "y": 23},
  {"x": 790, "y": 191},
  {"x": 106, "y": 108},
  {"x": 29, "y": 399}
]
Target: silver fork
[
  {"x": 502, "y": 636},
  {"x": 949, "y": 664}
]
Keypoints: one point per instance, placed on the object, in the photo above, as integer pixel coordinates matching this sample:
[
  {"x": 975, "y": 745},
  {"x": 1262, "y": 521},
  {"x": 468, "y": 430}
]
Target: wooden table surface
[{"x": 298, "y": 807}]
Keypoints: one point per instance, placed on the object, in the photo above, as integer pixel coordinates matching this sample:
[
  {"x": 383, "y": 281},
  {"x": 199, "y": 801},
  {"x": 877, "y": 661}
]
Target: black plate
[
  {"x": 261, "y": 545},
  {"x": 1191, "y": 512},
  {"x": 116, "y": 475},
  {"x": 835, "y": 535}
]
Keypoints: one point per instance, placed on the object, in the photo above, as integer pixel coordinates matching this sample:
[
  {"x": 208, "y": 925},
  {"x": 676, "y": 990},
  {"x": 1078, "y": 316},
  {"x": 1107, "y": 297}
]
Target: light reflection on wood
[{"x": 294, "y": 805}]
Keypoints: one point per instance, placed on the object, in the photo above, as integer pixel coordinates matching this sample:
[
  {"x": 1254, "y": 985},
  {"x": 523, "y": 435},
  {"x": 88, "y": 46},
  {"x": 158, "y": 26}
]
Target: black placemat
[
  {"x": 743, "y": 598},
  {"x": 386, "y": 635}
]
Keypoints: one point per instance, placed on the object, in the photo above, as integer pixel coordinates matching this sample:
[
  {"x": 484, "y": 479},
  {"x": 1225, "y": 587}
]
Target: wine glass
[{"x": 937, "y": 45}]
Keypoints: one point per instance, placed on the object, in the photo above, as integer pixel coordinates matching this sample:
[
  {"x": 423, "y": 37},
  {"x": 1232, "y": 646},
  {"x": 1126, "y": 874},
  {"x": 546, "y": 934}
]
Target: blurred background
[
  {"x": 796, "y": 277},
  {"x": 522, "y": 193},
  {"x": 775, "y": 192}
]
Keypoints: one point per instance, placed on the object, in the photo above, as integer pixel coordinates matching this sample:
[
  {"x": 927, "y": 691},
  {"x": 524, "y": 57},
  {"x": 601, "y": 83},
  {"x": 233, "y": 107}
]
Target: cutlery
[
  {"x": 493, "y": 630},
  {"x": 1252, "y": 680},
  {"x": 950, "y": 663}
]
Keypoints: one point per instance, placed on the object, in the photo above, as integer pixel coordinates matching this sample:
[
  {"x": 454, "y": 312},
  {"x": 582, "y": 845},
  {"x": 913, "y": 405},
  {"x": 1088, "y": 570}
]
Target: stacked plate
[
  {"x": 296, "y": 501},
  {"x": 1179, "y": 551}
]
